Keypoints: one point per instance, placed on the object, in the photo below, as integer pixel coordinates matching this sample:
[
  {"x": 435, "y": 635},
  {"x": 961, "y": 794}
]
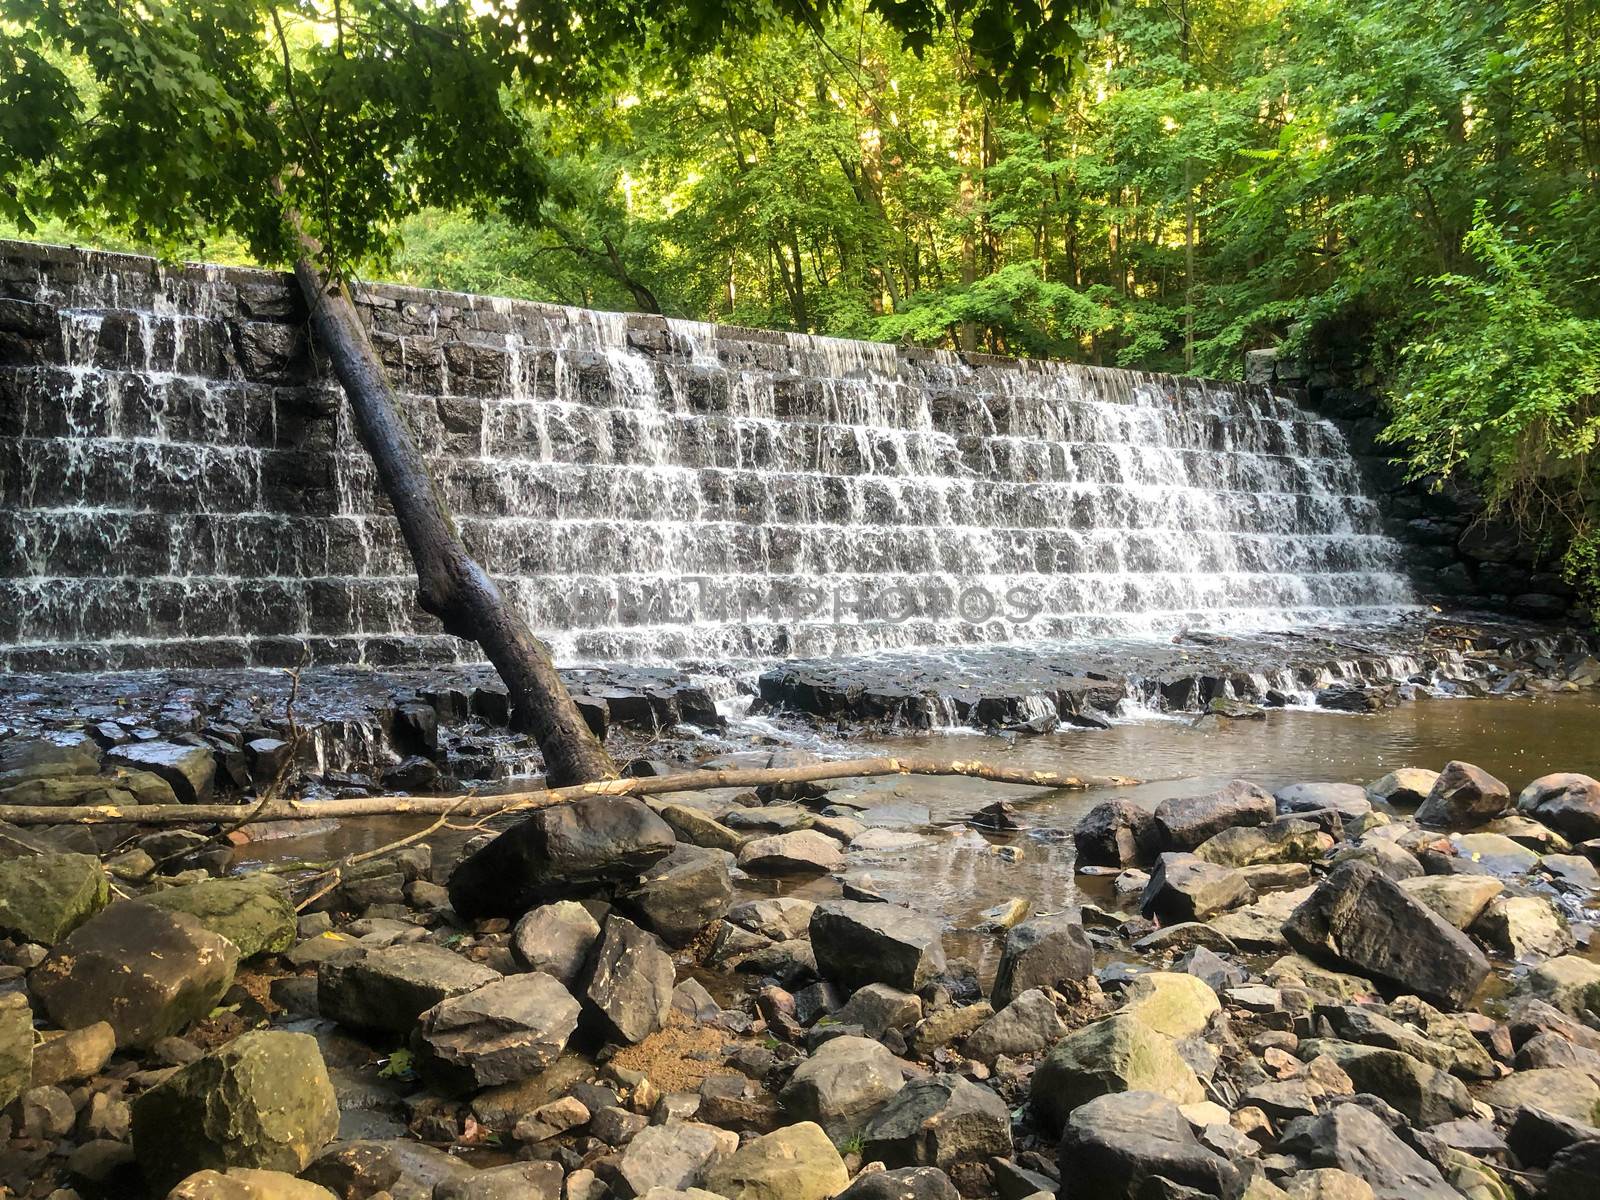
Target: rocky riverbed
[{"x": 1330, "y": 991}]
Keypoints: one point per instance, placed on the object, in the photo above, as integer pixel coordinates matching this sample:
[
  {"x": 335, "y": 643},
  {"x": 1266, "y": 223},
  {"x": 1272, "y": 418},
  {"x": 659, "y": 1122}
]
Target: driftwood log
[{"x": 510, "y": 802}]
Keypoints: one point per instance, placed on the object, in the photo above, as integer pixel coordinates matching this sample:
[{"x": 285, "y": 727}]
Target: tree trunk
[{"x": 450, "y": 584}]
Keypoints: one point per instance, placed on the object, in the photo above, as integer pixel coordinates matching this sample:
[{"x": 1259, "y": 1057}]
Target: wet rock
[
  {"x": 802, "y": 852},
  {"x": 403, "y": 1169},
  {"x": 681, "y": 894},
  {"x": 1360, "y": 919},
  {"x": 22, "y": 759},
  {"x": 1463, "y": 795},
  {"x": 253, "y": 912},
  {"x": 1569, "y": 983},
  {"x": 1116, "y": 833},
  {"x": 191, "y": 771},
  {"x": 264, "y": 1100},
  {"x": 1571, "y": 873},
  {"x": 1116, "y": 1054},
  {"x": 1116, "y": 1146},
  {"x": 628, "y": 982},
  {"x": 796, "y": 1163},
  {"x": 556, "y": 939},
  {"x": 1286, "y": 840},
  {"x": 841, "y": 1084},
  {"x": 1524, "y": 928},
  {"x": 1183, "y": 823},
  {"x": 1185, "y": 888},
  {"x": 1028, "y": 1025},
  {"x": 781, "y": 918},
  {"x": 1346, "y": 799},
  {"x": 674, "y": 1155},
  {"x": 74, "y": 1055},
  {"x": 939, "y": 1122},
  {"x": 1171, "y": 1003},
  {"x": 145, "y": 971},
  {"x": 1406, "y": 788},
  {"x": 1459, "y": 899},
  {"x": 558, "y": 853},
  {"x": 513, "y": 1181},
  {"x": 1352, "y": 1139},
  {"x": 1573, "y": 1171},
  {"x": 245, "y": 1183},
  {"x": 503, "y": 1031},
  {"x": 1489, "y": 853},
  {"x": 905, "y": 1183},
  {"x": 856, "y": 944},
  {"x": 44, "y": 897},
  {"x": 387, "y": 989},
  {"x": 1049, "y": 951},
  {"x": 1569, "y": 803}
]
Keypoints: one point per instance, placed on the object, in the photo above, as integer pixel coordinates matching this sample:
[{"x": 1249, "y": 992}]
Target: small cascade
[{"x": 182, "y": 486}]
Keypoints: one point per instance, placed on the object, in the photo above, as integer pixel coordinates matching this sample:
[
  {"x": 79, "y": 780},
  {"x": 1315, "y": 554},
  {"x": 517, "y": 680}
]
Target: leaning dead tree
[{"x": 514, "y": 802}]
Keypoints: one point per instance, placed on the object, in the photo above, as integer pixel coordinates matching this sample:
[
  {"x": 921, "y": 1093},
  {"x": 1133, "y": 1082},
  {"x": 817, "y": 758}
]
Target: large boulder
[
  {"x": 1463, "y": 795},
  {"x": 1117, "y": 1054},
  {"x": 1568, "y": 983},
  {"x": 60, "y": 754},
  {"x": 264, "y": 1100},
  {"x": 1525, "y": 928},
  {"x": 1359, "y": 918},
  {"x": 628, "y": 982},
  {"x": 1459, "y": 899},
  {"x": 190, "y": 770},
  {"x": 1406, "y": 788},
  {"x": 385, "y": 990},
  {"x": 1171, "y": 1002},
  {"x": 801, "y": 852},
  {"x": 680, "y": 895},
  {"x": 1185, "y": 888},
  {"x": 1573, "y": 1171},
  {"x": 16, "y": 1046},
  {"x": 503, "y": 1031},
  {"x": 1349, "y": 800},
  {"x": 1115, "y": 1145},
  {"x": 904, "y": 1183},
  {"x": 44, "y": 897},
  {"x": 1354, "y": 1140},
  {"x": 794, "y": 1163},
  {"x": 938, "y": 1122},
  {"x": 556, "y": 939},
  {"x": 1042, "y": 952},
  {"x": 857, "y": 943},
  {"x": 1115, "y": 833},
  {"x": 1565, "y": 802},
  {"x": 1423, "y": 1092},
  {"x": 1286, "y": 840},
  {"x": 559, "y": 853},
  {"x": 1027, "y": 1025},
  {"x": 247, "y": 1183},
  {"x": 254, "y": 912},
  {"x": 841, "y": 1084},
  {"x": 1182, "y": 823},
  {"x": 145, "y": 971},
  {"x": 1568, "y": 1092},
  {"x": 400, "y": 1168}
]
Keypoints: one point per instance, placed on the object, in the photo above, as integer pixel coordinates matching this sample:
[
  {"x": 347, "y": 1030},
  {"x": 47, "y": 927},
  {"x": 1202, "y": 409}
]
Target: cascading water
[{"x": 180, "y": 489}]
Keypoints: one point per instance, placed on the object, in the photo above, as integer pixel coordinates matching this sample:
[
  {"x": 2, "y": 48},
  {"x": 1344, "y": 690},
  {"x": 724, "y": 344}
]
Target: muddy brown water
[{"x": 955, "y": 873}]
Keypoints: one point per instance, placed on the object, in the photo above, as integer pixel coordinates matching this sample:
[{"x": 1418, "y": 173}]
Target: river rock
[
  {"x": 781, "y": 918},
  {"x": 795, "y": 1163},
  {"x": 1171, "y": 1003},
  {"x": 16, "y": 1046},
  {"x": 254, "y": 912},
  {"x": 1286, "y": 840},
  {"x": 537, "y": 1180},
  {"x": 1463, "y": 795},
  {"x": 1525, "y": 928},
  {"x": 1116, "y": 833},
  {"x": 1259, "y": 926},
  {"x": 1569, "y": 983},
  {"x": 1183, "y": 823},
  {"x": 245, "y": 1183},
  {"x": 672, "y": 1155},
  {"x": 1185, "y": 888},
  {"x": 1424, "y": 1093},
  {"x": 1359, "y": 918},
  {"x": 145, "y": 971},
  {"x": 938, "y": 1122},
  {"x": 1028, "y": 1025},
  {"x": 1347, "y": 799},
  {"x": 1352, "y": 1139},
  {"x": 1491, "y": 853},
  {"x": 400, "y": 1168},
  {"x": 1116, "y": 1054},
  {"x": 1569, "y": 803},
  {"x": 700, "y": 829},
  {"x": 385, "y": 990},
  {"x": 44, "y": 897},
  {"x": 857, "y": 943},
  {"x": 905, "y": 1183},
  {"x": 74, "y": 1055},
  {"x": 1115, "y": 1146},
  {"x": 841, "y": 1084},
  {"x": 628, "y": 982},
  {"x": 1406, "y": 788},
  {"x": 264, "y": 1100},
  {"x": 190, "y": 770},
  {"x": 556, "y": 939},
  {"x": 681, "y": 894},
  {"x": 1569, "y": 1092},
  {"x": 559, "y": 853},
  {"x": 805, "y": 851},
  {"x": 503, "y": 1031},
  {"x": 878, "y": 1008},
  {"x": 1459, "y": 899},
  {"x": 1047, "y": 951},
  {"x": 1394, "y": 861},
  {"x": 1573, "y": 1171},
  {"x": 61, "y": 754}
]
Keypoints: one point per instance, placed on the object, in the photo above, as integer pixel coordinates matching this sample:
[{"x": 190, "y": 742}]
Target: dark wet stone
[
  {"x": 628, "y": 982},
  {"x": 1182, "y": 823},
  {"x": 905, "y": 1183},
  {"x": 1116, "y": 833},
  {"x": 1463, "y": 795},
  {"x": 1352, "y": 1139},
  {"x": 385, "y": 990},
  {"x": 1183, "y": 887},
  {"x": 1568, "y": 803},
  {"x": 191, "y": 770},
  {"x": 1041, "y": 952},
  {"x": 681, "y": 894},
  {"x": 938, "y": 1122},
  {"x": 1115, "y": 1145},
  {"x": 856, "y": 944},
  {"x": 504, "y": 1031}
]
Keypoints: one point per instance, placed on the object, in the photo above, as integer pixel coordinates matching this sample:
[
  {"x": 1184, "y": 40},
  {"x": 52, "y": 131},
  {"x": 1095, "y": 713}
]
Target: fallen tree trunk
[
  {"x": 450, "y": 583},
  {"x": 479, "y": 806}
]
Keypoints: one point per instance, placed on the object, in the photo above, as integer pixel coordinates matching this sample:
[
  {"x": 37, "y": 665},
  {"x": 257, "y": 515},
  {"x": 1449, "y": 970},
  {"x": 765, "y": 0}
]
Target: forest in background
[{"x": 1223, "y": 175}]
